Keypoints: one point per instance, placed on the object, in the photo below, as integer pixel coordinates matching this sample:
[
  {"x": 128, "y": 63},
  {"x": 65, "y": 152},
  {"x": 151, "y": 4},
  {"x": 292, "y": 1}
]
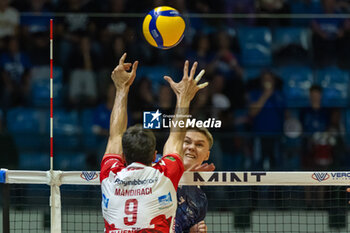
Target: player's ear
[{"x": 155, "y": 156}]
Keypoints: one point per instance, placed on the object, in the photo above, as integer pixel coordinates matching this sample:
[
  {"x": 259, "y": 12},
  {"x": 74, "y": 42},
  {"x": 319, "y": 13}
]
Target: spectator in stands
[
  {"x": 326, "y": 35},
  {"x": 15, "y": 68},
  {"x": 111, "y": 51},
  {"x": 110, "y": 27},
  {"x": 317, "y": 149},
  {"x": 38, "y": 20},
  {"x": 240, "y": 7},
  {"x": 343, "y": 6},
  {"x": 136, "y": 49},
  {"x": 9, "y": 21},
  {"x": 201, "y": 52},
  {"x": 337, "y": 132},
  {"x": 344, "y": 55},
  {"x": 219, "y": 101},
  {"x": 225, "y": 60},
  {"x": 267, "y": 111},
  {"x": 69, "y": 28},
  {"x": 201, "y": 107},
  {"x": 317, "y": 153},
  {"x": 226, "y": 63},
  {"x": 84, "y": 62},
  {"x": 38, "y": 48},
  {"x": 102, "y": 114},
  {"x": 141, "y": 98},
  {"x": 166, "y": 99},
  {"x": 272, "y": 7},
  {"x": 101, "y": 118}
]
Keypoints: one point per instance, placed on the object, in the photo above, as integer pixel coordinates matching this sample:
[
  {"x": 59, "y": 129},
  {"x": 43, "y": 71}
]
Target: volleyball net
[{"x": 238, "y": 201}]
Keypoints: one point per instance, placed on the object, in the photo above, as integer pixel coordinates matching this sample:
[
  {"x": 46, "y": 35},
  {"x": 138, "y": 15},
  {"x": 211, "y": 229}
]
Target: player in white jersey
[{"x": 137, "y": 197}]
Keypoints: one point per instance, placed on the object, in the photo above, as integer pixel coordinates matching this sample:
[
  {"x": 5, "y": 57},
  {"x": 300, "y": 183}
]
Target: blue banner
[{"x": 2, "y": 176}]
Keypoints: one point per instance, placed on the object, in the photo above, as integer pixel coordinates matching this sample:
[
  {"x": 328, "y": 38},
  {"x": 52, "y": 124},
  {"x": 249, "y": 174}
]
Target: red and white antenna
[
  {"x": 55, "y": 197},
  {"x": 51, "y": 95}
]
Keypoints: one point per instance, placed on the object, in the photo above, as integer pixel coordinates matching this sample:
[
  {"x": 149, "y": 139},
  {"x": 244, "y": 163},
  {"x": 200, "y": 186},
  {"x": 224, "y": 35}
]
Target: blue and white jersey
[{"x": 192, "y": 207}]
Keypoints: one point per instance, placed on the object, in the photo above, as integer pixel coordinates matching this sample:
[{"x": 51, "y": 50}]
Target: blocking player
[
  {"x": 137, "y": 197},
  {"x": 192, "y": 201}
]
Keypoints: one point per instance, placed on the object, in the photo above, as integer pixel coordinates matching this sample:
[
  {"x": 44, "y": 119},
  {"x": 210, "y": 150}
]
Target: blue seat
[
  {"x": 283, "y": 37},
  {"x": 255, "y": 44},
  {"x": 155, "y": 74},
  {"x": 252, "y": 73},
  {"x": 43, "y": 73},
  {"x": 297, "y": 82},
  {"x": 27, "y": 125},
  {"x": 34, "y": 161},
  {"x": 70, "y": 161},
  {"x": 40, "y": 93},
  {"x": 66, "y": 129},
  {"x": 41, "y": 86},
  {"x": 21, "y": 120},
  {"x": 304, "y": 7},
  {"x": 334, "y": 82}
]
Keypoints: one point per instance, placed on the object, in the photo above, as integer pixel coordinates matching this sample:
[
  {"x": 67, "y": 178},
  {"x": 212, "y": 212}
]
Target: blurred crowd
[{"x": 262, "y": 128}]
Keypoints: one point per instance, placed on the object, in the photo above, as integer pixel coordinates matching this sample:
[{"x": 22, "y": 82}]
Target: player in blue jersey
[{"x": 192, "y": 201}]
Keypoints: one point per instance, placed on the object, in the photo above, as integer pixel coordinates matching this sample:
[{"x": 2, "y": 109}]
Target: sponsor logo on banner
[
  {"x": 340, "y": 175},
  {"x": 320, "y": 176},
  {"x": 231, "y": 177},
  {"x": 88, "y": 176}
]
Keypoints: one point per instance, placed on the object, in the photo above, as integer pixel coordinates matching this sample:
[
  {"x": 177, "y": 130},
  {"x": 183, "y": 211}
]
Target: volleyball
[{"x": 163, "y": 27}]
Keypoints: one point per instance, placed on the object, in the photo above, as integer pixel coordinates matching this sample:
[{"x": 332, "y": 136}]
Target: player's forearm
[
  {"x": 119, "y": 118},
  {"x": 177, "y": 133}
]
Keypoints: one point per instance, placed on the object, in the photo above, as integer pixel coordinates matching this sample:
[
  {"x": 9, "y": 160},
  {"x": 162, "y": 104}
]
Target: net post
[
  {"x": 55, "y": 200},
  {"x": 6, "y": 208}
]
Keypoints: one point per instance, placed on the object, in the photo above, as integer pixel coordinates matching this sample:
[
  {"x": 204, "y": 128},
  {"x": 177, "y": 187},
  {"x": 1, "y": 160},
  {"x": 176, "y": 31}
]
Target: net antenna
[{"x": 54, "y": 176}]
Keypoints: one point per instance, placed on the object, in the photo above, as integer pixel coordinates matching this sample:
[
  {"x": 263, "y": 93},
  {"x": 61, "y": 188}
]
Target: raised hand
[
  {"x": 188, "y": 86},
  {"x": 204, "y": 167},
  {"x": 120, "y": 76},
  {"x": 200, "y": 227}
]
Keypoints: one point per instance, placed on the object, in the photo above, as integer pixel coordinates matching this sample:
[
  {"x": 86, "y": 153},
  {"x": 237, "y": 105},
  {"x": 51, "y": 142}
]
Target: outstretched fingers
[
  {"x": 134, "y": 68},
  {"x": 122, "y": 59},
  {"x": 127, "y": 66},
  {"x": 169, "y": 80},
  {"x": 186, "y": 68},
  {"x": 199, "y": 76},
  {"x": 202, "y": 85},
  {"x": 193, "y": 70}
]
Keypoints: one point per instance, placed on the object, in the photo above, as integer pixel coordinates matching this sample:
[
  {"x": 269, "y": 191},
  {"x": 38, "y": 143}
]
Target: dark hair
[
  {"x": 315, "y": 87},
  {"x": 139, "y": 145}
]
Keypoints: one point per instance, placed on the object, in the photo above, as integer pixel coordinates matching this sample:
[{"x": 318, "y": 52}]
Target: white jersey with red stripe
[{"x": 140, "y": 198}]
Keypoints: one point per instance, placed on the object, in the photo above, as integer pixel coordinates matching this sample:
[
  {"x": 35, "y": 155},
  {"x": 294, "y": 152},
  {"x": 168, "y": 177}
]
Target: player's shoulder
[
  {"x": 169, "y": 161},
  {"x": 111, "y": 162}
]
